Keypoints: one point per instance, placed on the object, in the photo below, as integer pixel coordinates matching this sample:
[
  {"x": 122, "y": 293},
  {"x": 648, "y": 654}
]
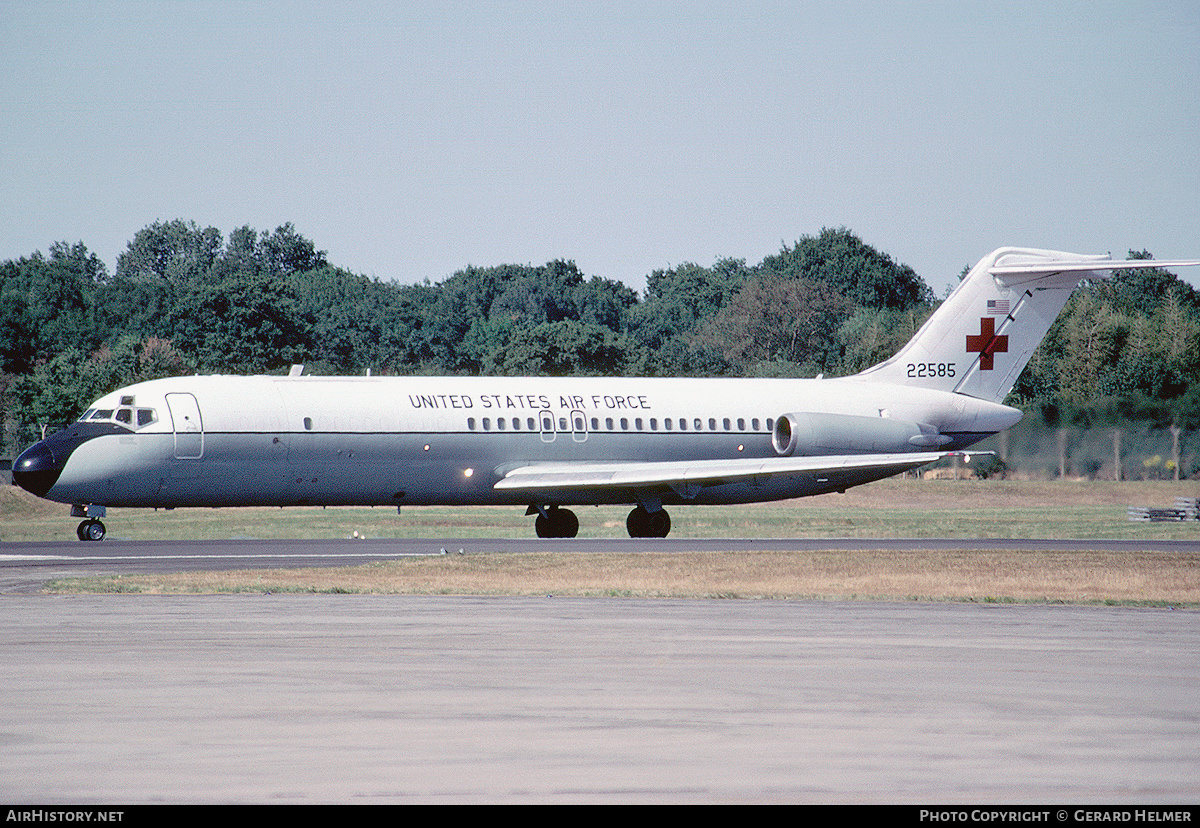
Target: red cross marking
[{"x": 987, "y": 344}]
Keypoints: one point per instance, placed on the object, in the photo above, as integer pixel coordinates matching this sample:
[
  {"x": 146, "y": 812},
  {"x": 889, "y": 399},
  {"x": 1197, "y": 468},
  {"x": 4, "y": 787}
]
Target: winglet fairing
[{"x": 547, "y": 442}]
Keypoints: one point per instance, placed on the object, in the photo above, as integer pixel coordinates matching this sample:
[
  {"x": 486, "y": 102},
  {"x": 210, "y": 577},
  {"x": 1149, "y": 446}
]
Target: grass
[
  {"x": 1140, "y": 578},
  {"x": 891, "y": 508},
  {"x": 895, "y": 508}
]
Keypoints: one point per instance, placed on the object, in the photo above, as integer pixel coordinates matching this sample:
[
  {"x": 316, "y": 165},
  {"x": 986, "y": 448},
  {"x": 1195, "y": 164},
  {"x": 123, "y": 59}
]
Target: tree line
[{"x": 186, "y": 298}]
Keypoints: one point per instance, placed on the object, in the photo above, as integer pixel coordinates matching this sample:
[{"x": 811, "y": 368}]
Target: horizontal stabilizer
[{"x": 1039, "y": 269}]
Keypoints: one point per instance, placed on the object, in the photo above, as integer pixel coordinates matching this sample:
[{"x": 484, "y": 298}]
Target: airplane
[{"x": 552, "y": 442}]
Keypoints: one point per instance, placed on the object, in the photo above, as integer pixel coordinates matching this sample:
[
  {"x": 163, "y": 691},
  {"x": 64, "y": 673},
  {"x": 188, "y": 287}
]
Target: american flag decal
[{"x": 997, "y": 307}]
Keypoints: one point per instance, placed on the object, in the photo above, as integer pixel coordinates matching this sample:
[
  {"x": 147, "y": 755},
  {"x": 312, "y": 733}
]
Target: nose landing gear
[{"x": 91, "y": 530}]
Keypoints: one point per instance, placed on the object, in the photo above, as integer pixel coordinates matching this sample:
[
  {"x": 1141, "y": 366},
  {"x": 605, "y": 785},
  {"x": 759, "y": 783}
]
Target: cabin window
[
  {"x": 637, "y": 423},
  {"x": 653, "y": 424},
  {"x": 698, "y": 424},
  {"x": 770, "y": 423},
  {"x": 754, "y": 423},
  {"x": 741, "y": 424},
  {"x": 682, "y": 424},
  {"x": 608, "y": 423},
  {"x": 500, "y": 423},
  {"x": 712, "y": 423},
  {"x": 530, "y": 424},
  {"x": 666, "y": 423},
  {"x": 471, "y": 423},
  {"x": 308, "y": 423},
  {"x": 596, "y": 423},
  {"x": 562, "y": 423},
  {"x": 726, "y": 424},
  {"x": 624, "y": 424},
  {"x": 487, "y": 423}
]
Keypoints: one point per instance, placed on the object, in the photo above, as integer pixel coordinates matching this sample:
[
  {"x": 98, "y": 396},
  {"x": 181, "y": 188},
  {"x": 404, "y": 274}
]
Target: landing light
[{"x": 468, "y": 472}]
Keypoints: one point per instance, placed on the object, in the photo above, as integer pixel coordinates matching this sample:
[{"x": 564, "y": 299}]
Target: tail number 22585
[{"x": 930, "y": 369}]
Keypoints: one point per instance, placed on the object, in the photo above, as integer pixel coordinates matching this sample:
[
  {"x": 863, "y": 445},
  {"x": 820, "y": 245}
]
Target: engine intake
[{"x": 807, "y": 433}]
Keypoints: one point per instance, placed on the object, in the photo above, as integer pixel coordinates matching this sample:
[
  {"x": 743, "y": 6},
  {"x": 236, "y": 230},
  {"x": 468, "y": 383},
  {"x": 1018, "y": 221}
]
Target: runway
[
  {"x": 402, "y": 699},
  {"x": 24, "y": 566}
]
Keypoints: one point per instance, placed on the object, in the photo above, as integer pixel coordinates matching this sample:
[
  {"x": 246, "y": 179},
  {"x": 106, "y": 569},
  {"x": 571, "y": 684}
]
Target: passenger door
[{"x": 189, "y": 428}]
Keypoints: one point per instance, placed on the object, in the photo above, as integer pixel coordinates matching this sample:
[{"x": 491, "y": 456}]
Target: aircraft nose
[{"x": 36, "y": 469}]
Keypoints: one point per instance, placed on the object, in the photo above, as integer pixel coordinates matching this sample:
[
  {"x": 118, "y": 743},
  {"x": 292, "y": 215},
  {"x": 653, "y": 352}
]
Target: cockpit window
[{"x": 124, "y": 416}]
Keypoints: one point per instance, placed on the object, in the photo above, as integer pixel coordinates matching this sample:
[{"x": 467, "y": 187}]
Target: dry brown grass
[{"x": 969, "y": 575}]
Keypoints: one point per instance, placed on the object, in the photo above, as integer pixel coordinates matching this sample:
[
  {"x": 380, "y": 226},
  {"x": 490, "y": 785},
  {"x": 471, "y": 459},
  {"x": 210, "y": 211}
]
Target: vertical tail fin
[{"x": 980, "y": 339}]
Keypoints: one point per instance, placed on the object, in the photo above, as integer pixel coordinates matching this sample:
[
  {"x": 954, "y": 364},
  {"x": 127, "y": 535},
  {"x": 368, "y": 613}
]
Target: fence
[{"x": 1131, "y": 452}]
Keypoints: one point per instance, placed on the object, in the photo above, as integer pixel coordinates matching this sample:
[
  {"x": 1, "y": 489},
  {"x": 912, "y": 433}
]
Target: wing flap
[{"x": 591, "y": 475}]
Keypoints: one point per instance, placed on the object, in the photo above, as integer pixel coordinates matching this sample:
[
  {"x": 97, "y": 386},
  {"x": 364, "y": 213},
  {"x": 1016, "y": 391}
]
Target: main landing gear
[
  {"x": 643, "y": 523},
  {"x": 553, "y": 522},
  {"x": 556, "y": 522}
]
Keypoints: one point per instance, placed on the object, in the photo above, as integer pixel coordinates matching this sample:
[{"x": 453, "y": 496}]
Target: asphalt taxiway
[
  {"x": 418, "y": 699},
  {"x": 403, "y": 699}
]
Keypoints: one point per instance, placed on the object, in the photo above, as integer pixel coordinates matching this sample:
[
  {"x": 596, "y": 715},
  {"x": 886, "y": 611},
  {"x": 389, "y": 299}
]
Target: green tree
[
  {"x": 242, "y": 323},
  {"x": 46, "y": 305},
  {"x": 179, "y": 251},
  {"x": 778, "y": 318},
  {"x": 852, "y": 268},
  {"x": 678, "y": 301},
  {"x": 871, "y": 335},
  {"x": 360, "y": 323},
  {"x": 563, "y": 348}
]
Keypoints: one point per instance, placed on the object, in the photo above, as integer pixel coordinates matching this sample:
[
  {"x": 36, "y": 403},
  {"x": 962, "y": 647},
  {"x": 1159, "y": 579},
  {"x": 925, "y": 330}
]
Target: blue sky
[{"x": 411, "y": 142}]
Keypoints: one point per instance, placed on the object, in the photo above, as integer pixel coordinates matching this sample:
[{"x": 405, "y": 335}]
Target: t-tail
[{"x": 980, "y": 339}]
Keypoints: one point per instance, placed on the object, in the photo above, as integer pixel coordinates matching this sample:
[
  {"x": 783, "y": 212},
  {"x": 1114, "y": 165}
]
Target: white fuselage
[{"x": 238, "y": 441}]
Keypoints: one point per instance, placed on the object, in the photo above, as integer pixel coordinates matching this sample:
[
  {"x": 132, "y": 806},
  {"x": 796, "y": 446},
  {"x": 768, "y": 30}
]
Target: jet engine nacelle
[{"x": 815, "y": 434}]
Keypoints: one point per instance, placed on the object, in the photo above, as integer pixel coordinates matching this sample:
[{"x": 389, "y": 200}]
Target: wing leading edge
[{"x": 691, "y": 475}]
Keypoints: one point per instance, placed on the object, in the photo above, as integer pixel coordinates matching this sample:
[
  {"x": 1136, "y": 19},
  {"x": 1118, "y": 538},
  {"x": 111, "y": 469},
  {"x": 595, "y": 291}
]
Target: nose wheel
[{"x": 91, "y": 530}]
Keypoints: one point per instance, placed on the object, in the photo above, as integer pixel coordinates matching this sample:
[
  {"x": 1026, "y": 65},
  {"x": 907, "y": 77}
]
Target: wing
[{"x": 687, "y": 477}]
